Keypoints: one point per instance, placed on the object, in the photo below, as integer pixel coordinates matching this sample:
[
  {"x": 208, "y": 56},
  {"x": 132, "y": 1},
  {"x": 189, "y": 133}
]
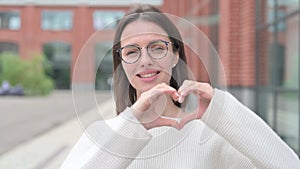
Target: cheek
[
  {"x": 167, "y": 65},
  {"x": 129, "y": 71}
]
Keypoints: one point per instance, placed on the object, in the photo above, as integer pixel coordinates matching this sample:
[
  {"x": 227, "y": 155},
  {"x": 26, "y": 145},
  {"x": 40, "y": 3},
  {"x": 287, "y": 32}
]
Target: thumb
[
  {"x": 187, "y": 118},
  {"x": 159, "y": 122}
]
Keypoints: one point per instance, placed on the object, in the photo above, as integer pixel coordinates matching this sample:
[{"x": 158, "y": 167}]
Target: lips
[{"x": 148, "y": 75}]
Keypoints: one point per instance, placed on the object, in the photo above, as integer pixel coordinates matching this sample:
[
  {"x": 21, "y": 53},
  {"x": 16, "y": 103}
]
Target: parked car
[{"x": 8, "y": 90}]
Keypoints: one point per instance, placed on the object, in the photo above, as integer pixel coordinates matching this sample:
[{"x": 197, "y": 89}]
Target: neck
[{"x": 170, "y": 110}]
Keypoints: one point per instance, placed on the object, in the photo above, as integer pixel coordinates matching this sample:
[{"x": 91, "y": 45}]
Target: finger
[
  {"x": 203, "y": 90},
  {"x": 185, "y": 92},
  {"x": 181, "y": 99},
  {"x": 189, "y": 88},
  {"x": 175, "y": 96},
  {"x": 182, "y": 91},
  {"x": 159, "y": 122},
  {"x": 187, "y": 118},
  {"x": 166, "y": 89},
  {"x": 160, "y": 92},
  {"x": 167, "y": 122},
  {"x": 184, "y": 85}
]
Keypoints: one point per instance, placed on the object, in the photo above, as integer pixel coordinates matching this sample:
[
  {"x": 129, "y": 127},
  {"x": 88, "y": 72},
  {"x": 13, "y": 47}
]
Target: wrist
[{"x": 135, "y": 112}]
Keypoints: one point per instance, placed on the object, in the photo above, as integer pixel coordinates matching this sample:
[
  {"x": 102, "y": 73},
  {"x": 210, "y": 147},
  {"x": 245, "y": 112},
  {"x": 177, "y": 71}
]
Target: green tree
[{"x": 31, "y": 74}]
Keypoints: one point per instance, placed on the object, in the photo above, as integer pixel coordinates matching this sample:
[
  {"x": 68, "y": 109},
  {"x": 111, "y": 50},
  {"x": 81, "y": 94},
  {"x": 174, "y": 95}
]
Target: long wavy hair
[{"x": 124, "y": 93}]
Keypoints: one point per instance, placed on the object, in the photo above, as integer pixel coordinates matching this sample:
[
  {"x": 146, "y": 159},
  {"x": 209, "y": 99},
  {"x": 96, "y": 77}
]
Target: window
[
  {"x": 57, "y": 20},
  {"x": 104, "y": 63},
  {"x": 59, "y": 57},
  {"x": 106, "y": 19},
  {"x": 281, "y": 26},
  {"x": 10, "y": 20},
  {"x": 278, "y": 97},
  {"x": 9, "y": 47}
]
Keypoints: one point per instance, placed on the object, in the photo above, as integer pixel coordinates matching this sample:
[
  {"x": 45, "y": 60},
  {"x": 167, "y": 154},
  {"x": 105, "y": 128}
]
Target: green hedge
[{"x": 31, "y": 73}]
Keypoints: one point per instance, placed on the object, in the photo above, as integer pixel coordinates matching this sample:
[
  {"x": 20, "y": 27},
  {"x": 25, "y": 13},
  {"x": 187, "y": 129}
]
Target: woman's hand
[
  {"x": 151, "y": 104},
  {"x": 204, "y": 91}
]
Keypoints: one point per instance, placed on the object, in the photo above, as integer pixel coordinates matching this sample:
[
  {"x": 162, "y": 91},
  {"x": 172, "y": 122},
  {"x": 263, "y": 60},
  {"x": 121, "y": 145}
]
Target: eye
[
  {"x": 157, "y": 48},
  {"x": 130, "y": 51}
]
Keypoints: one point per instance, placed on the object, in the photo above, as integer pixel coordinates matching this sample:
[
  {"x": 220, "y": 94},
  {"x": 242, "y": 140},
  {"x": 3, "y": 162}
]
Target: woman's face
[{"x": 147, "y": 72}]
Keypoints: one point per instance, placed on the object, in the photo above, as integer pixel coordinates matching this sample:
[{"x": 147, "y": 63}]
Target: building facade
[{"x": 257, "y": 43}]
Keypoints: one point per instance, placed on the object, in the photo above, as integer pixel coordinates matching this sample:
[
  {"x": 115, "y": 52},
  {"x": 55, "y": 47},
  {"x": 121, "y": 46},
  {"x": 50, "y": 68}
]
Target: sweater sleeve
[
  {"x": 112, "y": 143},
  {"x": 248, "y": 133}
]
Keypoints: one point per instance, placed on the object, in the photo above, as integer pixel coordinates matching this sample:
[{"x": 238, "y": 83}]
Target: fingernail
[
  {"x": 180, "y": 100},
  {"x": 178, "y": 127}
]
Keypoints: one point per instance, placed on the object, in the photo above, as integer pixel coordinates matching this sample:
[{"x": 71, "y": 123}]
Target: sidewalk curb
[{"x": 48, "y": 150}]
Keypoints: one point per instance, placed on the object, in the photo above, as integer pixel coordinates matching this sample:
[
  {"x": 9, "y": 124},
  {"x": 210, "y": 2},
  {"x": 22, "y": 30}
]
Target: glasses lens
[
  {"x": 157, "y": 49},
  {"x": 130, "y": 54}
]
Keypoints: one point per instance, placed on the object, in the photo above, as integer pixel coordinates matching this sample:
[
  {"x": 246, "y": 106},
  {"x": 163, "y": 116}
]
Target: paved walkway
[{"x": 48, "y": 150}]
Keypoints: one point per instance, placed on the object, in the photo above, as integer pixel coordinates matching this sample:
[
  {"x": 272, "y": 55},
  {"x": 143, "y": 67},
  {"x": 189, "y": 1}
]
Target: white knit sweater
[{"x": 229, "y": 135}]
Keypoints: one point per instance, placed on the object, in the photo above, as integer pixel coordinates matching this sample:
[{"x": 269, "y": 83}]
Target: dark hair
[{"x": 124, "y": 93}]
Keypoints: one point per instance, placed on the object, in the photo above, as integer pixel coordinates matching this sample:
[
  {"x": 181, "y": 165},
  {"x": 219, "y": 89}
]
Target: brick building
[
  {"x": 36, "y": 26},
  {"x": 257, "y": 42}
]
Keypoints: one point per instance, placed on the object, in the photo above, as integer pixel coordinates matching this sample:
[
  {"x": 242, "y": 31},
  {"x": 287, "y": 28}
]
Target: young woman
[{"x": 152, "y": 130}]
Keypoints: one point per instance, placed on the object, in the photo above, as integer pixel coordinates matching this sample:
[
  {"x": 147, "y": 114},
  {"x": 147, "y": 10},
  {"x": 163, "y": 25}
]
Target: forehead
[{"x": 142, "y": 32}]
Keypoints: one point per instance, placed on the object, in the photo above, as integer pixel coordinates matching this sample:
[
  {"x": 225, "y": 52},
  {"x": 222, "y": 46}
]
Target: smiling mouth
[{"x": 148, "y": 75}]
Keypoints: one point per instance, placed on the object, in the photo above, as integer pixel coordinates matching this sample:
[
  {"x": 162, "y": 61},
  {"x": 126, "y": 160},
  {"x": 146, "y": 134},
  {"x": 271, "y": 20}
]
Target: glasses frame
[{"x": 119, "y": 51}]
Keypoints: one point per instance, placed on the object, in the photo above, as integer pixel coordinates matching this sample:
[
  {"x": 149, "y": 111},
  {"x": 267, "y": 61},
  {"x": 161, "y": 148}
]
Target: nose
[{"x": 146, "y": 60}]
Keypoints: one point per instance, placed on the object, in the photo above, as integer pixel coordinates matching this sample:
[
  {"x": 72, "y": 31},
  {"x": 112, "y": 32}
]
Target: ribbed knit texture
[{"x": 229, "y": 135}]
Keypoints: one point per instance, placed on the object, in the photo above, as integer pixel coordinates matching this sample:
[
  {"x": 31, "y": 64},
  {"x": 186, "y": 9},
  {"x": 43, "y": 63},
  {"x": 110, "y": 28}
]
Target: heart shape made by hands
[
  {"x": 158, "y": 101},
  {"x": 188, "y": 111}
]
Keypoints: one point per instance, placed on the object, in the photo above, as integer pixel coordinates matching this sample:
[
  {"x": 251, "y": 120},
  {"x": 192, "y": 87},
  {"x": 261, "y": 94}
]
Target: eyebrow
[{"x": 135, "y": 44}]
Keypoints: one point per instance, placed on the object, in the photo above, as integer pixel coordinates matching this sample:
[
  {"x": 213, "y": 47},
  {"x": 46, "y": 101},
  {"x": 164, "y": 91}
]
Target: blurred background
[{"x": 40, "y": 41}]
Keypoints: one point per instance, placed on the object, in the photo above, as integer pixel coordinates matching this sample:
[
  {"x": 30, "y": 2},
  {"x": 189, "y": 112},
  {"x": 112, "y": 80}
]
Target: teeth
[{"x": 148, "y": 75}]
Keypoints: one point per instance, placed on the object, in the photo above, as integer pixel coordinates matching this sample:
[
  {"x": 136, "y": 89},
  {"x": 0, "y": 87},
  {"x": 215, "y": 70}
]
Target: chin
[{"x": 146, "y": 88}]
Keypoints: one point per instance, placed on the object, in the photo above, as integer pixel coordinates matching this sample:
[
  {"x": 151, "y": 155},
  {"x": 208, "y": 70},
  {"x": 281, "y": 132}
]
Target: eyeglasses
[{"x": 156, "y": 50}]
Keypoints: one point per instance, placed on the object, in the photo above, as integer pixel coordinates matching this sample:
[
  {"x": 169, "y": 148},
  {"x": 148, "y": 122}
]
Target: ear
[{"x": 176, "y": 59}]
